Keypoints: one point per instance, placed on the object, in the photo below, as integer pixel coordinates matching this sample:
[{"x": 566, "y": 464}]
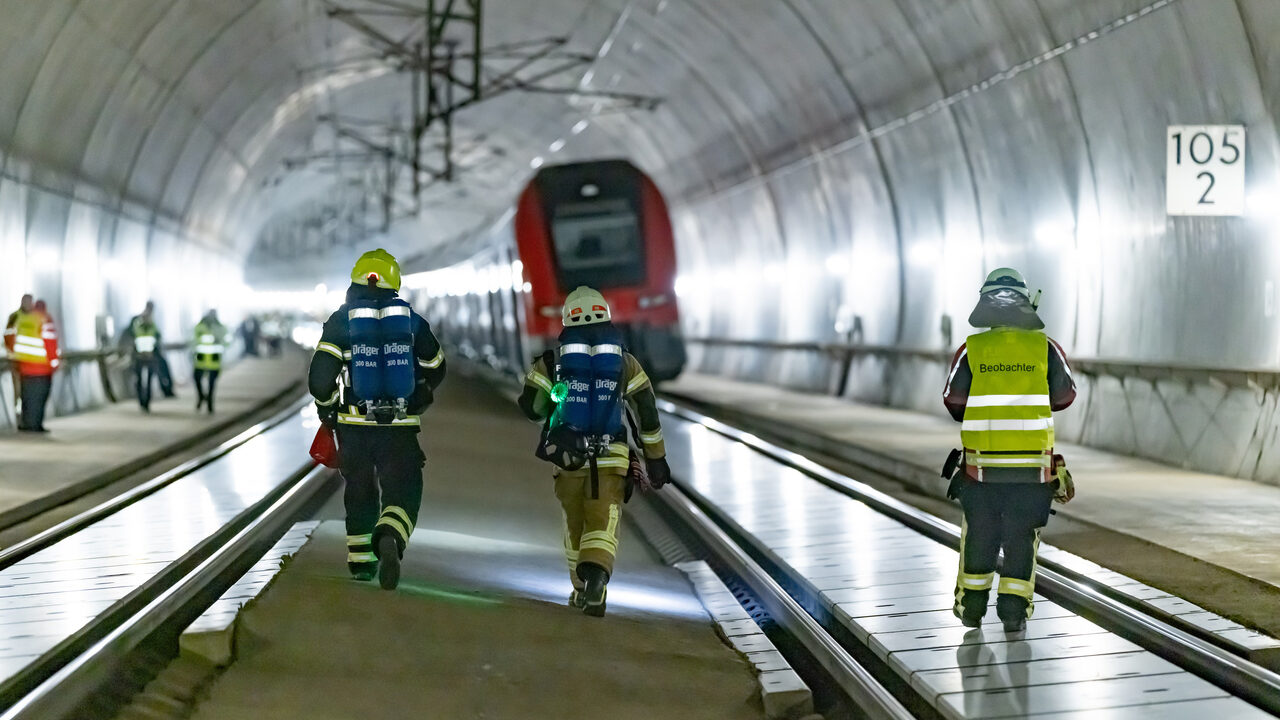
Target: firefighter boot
[
  {"x": 597, "y": 580},
  {"x": 970, "y": 606},
  {"x": 389, "y": 562},
  {"x": 363, "y": 571},
  {"x": 1012, "y": 610}
]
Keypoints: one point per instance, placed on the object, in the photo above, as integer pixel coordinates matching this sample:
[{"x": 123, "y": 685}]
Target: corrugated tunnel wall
[{"x": 832, "y": 164}]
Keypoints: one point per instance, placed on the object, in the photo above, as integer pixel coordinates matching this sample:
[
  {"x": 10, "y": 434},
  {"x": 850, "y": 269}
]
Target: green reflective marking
[{"x": 445, "y": 594}]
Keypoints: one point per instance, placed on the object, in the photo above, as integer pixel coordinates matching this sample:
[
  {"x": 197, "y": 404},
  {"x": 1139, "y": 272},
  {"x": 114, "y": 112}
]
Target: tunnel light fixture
[
  {"x": 557, "y": 146},
  {"x": 580, "y": 126},
  {"x": 590, "y": 190},
  {"x": 537, "y": 162}
]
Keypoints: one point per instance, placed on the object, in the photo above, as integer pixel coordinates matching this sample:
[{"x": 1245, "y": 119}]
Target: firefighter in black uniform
[{"x": 381, "y": 460}]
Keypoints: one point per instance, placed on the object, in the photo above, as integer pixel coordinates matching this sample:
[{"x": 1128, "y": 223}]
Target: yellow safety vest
[
  {"x": 145, "y": 336},
  {"x": 28, "y": 342},
  {"x": 1008, "y": 419},
  {"x": 209, "y": 347}
]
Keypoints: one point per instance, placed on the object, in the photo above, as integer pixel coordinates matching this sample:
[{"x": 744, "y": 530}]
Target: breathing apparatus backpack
[
  {"x": 382, "y": 365},
  {"x": 588, "y": 395}
]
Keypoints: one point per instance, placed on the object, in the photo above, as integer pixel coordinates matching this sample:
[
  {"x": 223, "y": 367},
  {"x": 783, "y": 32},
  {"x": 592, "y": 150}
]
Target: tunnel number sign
[{"x": 1205, "y": 173}]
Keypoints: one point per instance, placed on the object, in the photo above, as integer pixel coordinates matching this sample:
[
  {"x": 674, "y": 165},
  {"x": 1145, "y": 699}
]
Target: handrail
[
  {"x": 79, "y": 356},
  {"x": 1250, "y": 378},
  {"x": 101, "y": 356}
]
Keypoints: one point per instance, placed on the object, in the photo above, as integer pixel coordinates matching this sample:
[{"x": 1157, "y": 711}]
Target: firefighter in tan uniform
[{"x": 596, "y": 402}]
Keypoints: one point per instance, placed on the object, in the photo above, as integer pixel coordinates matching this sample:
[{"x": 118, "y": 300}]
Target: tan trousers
[{"x": 590, "y": 523}]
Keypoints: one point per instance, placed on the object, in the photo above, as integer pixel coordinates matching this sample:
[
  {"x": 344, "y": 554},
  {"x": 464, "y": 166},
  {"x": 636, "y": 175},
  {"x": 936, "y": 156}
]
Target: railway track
[
  {"x": 830, "y": 639},
  {"x": 241, "y": 497}
]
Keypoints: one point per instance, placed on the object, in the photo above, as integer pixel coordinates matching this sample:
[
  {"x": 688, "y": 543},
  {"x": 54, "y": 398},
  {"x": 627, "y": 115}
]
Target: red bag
[{"x": 324, "y": 449}]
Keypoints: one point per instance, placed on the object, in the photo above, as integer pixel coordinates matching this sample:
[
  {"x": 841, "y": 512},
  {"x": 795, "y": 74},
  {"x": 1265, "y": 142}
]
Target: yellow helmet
[
  {"x": 379, "y": 266},
  {"x": 584, "y": 306}
]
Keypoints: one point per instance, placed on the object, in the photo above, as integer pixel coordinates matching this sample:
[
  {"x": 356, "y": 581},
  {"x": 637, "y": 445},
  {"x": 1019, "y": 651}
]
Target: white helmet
[
  {"x": 1005, "y": 278},
  {"x": 584, "y": 306}
]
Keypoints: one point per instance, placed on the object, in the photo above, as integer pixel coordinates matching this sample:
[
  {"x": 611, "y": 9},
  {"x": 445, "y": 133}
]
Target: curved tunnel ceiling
[
  {"x": 190, "y": 109},
  {"x": 830, "y": 163}
]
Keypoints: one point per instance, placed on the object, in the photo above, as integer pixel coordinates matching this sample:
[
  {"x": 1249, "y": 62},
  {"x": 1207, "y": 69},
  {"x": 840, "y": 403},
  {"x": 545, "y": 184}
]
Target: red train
[{"x": 603, "y": 224}]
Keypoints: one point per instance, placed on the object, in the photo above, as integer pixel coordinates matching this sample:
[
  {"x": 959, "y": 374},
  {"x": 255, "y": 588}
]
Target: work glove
[
  {"x": 659, "y": 472},
  {"x": 1064, "y": 488},
  {"x": 328, "y": 415}
]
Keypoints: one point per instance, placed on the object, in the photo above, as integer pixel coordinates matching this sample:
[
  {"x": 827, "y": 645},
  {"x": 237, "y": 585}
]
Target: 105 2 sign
[{"x": 1205, "y": 170}]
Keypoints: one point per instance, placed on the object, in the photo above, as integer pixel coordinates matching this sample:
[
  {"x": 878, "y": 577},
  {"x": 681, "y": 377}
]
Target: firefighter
[
  {"x": 1003, "y": 386},
  {"x": 141, "y": 338},
  {"x": 210, "y": 343},
  {"x": 591, "y": 394},
  {"x": 32, "y": 342},
  {"x": 390, "y": 364}
]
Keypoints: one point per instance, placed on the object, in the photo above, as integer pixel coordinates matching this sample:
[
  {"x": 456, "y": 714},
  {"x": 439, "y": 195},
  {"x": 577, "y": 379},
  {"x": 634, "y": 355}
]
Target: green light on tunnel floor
[{"x": 463, "y": 598}]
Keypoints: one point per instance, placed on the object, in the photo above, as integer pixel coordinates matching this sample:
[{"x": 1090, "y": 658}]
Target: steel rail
[
  {"x": 70, "y": 526},
  {"x": 1231, "y": 672},
  {"x": 61, "y": 693},
  {"x": 856, "y": 681}
]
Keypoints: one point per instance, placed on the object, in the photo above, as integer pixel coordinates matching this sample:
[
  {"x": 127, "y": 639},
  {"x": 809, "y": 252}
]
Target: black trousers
[
  {"x": 205, "y": 395},
  {"x": 382, "y": 469},
  {"x": 163, "y": 375},
  {"x": 144, "y": 369},
  {"x": 1001, "y": 516},
  {"x": 35, "y": 394}
]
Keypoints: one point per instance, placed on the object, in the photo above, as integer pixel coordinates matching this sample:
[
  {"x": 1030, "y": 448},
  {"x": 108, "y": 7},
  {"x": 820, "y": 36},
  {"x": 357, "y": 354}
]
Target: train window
[{"x": 598, "y": 244}]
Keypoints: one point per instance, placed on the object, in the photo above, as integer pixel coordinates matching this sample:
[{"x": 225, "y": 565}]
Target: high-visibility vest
[
  {"x": 1008, "y": 419},
  {"x": 28, "y": 342},
  {"x": 145, "y": 337},
  {"x": 209, "y": 346}
]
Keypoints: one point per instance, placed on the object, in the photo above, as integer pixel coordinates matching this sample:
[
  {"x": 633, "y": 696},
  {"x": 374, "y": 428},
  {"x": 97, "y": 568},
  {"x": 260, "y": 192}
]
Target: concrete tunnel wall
[{"x": 826, "y": 160}]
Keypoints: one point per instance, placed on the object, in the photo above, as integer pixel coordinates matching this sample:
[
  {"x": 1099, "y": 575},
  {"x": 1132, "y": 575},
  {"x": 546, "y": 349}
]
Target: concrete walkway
[
  {"x": 90, "y": 449},
  {"x": 479, "y": 627},
  {"x": 1223, "y": 521}
]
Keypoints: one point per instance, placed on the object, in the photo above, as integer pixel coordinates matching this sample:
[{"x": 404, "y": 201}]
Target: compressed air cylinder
[
  {"x": 606, "y": 401},
  {"x": 397, "y": 349},
  {"x": 575, "y": 372},
  {"x": 366, "y": 353}
]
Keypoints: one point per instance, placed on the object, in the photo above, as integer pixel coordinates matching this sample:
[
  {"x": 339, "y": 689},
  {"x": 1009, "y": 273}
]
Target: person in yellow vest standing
[
  {"x": 210, "y": 343},
  {"x": 142, "y": 338},
  {"x": 1003, "y": 387},
  {"x": 32, "y": 342}
]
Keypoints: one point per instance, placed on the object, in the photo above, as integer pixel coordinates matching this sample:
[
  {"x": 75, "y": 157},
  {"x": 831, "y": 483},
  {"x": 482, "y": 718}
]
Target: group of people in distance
[{"x": 34, "y": 354}]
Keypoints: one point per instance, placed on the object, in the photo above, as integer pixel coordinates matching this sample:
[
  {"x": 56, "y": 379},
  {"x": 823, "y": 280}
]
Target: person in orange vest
[{"x": 32, "y": 342}]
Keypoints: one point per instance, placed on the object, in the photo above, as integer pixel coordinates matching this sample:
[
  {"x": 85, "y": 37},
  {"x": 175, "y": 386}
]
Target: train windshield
[{"x": 598, "y": 244}]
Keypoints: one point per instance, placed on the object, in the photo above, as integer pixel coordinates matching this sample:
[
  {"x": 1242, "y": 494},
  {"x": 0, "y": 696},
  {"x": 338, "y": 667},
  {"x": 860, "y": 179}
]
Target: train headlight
[{"x": 647, "y": 301}]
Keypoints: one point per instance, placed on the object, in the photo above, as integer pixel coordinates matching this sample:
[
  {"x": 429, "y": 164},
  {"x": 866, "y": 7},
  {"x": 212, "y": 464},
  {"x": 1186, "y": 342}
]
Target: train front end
[{"x": 606, "y": 225}]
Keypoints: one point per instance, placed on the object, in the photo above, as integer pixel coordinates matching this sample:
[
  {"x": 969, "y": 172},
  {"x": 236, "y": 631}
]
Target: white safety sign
[{"x": 1205, "y": 170}]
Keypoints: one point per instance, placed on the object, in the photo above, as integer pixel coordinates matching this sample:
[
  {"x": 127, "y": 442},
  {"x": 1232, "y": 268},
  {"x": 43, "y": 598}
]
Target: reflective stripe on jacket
[
  {"x": 34, "y": 343},
  {"x": 146, "y": 336},
  {"x": 209, "y": 345},
  {"x": 1008, "y": 421}
]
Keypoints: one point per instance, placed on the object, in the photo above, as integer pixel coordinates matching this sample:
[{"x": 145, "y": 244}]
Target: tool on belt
[
  {"x": 1065, "y": 487},
  {"x": 953, "y": 470}
]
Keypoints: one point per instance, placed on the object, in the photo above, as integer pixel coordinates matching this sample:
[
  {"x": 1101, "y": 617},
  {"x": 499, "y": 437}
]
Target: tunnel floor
[{"x": 479, "y": 626}]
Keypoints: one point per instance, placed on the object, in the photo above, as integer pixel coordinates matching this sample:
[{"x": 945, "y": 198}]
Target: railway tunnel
[{"x": 838, "y": 178}]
